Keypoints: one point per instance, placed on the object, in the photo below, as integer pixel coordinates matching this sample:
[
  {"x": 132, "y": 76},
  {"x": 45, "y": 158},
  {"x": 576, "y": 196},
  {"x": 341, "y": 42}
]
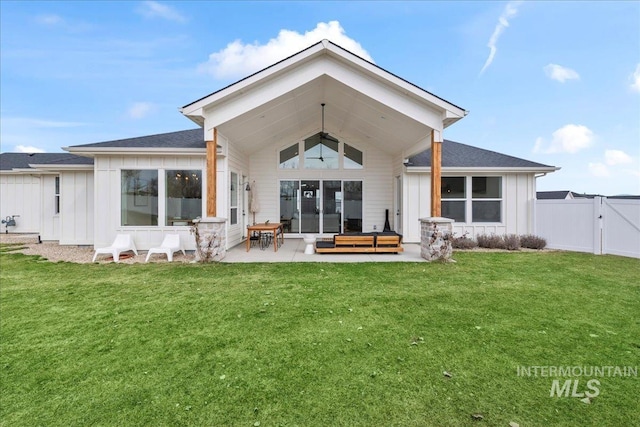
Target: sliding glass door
[{"x": 321, "y": 206}]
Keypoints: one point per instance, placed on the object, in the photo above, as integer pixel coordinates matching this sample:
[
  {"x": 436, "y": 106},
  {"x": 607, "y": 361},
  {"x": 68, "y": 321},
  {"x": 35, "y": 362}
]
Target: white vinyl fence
[{"x": 599, "y": 225}]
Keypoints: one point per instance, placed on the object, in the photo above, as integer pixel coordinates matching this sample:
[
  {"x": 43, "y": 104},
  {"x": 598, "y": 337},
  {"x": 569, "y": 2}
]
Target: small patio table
[{"x": 272, "y": 227}]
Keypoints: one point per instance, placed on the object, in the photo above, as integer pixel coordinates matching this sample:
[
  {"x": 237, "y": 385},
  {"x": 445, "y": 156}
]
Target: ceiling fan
[{"x": 324, "y": 136}]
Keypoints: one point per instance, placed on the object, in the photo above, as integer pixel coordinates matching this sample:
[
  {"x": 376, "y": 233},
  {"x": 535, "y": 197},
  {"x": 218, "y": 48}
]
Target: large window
[
  {"x": 320, "y": 153},
  {"x": 184, "y": 196},
  {"x": 484, "y": 199},
  {"x": 143, "y": 205},
  {"x": 139, "y": 197}
]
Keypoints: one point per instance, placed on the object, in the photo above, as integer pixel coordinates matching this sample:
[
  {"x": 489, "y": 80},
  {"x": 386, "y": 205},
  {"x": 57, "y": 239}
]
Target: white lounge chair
[
  {"x": 169, "y": 245},
  {"x": 122, "y": 243}
]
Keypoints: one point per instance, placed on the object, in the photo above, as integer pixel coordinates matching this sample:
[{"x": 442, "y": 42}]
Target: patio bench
[{"x": 361, "y": 243}]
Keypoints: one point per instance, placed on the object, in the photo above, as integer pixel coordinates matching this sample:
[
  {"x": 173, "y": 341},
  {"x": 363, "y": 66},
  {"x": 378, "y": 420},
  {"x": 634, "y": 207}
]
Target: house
[
  {"x": 324, "y": 141},
  {"x": 555, "y": 195}
]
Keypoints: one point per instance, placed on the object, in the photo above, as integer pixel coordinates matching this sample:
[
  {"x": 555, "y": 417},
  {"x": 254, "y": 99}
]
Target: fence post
[{"x": 597, "y": 225}]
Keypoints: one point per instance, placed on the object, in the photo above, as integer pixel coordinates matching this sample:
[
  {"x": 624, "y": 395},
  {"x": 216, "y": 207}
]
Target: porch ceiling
[{"x": 350, "y": 116}]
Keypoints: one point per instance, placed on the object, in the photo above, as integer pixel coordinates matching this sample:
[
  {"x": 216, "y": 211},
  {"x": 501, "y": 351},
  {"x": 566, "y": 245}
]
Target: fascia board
[
  {"x": 197, "y": 107},
  {"x": 401, "y": 84},
  {"x": 427, "y": 169},
  {"x": 133, "y": 151}
]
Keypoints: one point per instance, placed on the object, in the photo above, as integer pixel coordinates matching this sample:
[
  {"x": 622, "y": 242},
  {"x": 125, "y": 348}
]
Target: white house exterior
[{"x": 325, "y": 141}]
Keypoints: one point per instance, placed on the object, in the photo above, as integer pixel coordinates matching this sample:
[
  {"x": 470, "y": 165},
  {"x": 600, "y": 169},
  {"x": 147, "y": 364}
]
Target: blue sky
[{"x": 553, "y": 82}]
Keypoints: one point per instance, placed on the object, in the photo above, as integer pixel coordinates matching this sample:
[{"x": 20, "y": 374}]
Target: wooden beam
[
  {"x": 436, "y": 175},
  {"x": 212, "y": 182}
]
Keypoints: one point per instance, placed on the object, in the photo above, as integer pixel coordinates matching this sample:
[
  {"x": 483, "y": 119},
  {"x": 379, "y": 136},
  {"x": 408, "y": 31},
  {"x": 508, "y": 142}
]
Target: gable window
[
  {"x": 320, "y": 153},
  {"x": 184, "y": 196},
  {"x": 352, "y": 157},
  {"x": 57, "y": 196},
  {"x": 289, "y": 158},
  {"x": 139, "y": 203}
]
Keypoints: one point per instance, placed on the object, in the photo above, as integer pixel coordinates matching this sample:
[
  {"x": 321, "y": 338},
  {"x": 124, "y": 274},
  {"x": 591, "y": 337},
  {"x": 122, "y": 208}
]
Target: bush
[
  {"x": 511, "y": 242},
  {"x": 490, "y": 241},
  {"x": 530, "y": 241},
  {"x": 463, "y": 242}
]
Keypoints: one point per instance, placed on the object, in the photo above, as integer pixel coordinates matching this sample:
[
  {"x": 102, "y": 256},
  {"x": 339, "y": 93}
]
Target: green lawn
[{"x": 317, "y": 344}]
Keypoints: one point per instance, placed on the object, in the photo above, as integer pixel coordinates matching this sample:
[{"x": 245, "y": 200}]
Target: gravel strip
[{"x": 54, "y": 252}]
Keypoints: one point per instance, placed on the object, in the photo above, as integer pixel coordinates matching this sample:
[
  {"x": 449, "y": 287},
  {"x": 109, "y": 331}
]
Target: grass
[{"x": 316, "y": 344}]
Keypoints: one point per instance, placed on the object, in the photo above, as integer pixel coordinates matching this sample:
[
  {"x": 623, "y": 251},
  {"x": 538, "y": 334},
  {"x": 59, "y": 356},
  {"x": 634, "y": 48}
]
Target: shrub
[
  {"x": 511, "y": 242},
  {"x": 531, "y": 241},
  {"x": 463, "y": 242},
  {"x": 490, "y": 241}
]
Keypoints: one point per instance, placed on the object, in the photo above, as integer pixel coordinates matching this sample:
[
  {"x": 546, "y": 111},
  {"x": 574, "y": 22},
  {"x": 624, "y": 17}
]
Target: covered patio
[{"x": 292, "y": 250}]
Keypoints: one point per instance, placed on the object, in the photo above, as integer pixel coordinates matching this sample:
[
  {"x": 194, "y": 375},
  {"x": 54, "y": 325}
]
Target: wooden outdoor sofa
[{"x": 362, "y": 243}]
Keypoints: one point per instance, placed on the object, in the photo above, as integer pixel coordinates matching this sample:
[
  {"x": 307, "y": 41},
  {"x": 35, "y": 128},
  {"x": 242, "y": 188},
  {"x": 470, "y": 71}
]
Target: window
[
  {"x": 486, "y": 205},
  {"x": 57, "y": 196},
  {"x": 289, "y": 158},
  {"x": 184, "y": 196},
  {"x": 485, "y": 198},
  {"x": 142, "y": 204},
  {"x": 233, "y": 199},
  {"x": 454, "y": 198},
  {"x": 139, "y": 197},
  {"x": 352, "y": 157},
  {"x": 320, "y": 153}
]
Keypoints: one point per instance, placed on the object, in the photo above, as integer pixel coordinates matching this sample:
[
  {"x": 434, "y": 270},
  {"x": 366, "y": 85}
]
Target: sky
[{"x": 553, "y": 82}]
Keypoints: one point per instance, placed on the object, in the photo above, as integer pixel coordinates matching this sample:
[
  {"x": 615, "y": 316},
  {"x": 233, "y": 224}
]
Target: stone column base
[
  {"x": 435, "y": 239},
  {"x": 211, "y": 239}
]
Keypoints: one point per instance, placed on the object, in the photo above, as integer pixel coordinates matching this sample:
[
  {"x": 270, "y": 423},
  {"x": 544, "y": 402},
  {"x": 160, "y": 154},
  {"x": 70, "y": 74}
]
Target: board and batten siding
[
  {"x": 518, "y": 210},
  {"x": 107, "y": 198},
  {"x": 76, "y": 208},
  {"x": 50, "y": 222},
  {"x": 20, "y": 195}
]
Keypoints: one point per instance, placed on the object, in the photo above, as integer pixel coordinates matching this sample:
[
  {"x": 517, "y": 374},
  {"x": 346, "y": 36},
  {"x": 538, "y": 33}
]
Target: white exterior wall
[
  {"x": 76, "y": 208},
  {"x": 107, "y": 198},
  {"x": 237, "y": 162},
  {"x": 20, "y": 195},
  {"x": 50, "y": 221},
  {"x": 518, "y": 205}
]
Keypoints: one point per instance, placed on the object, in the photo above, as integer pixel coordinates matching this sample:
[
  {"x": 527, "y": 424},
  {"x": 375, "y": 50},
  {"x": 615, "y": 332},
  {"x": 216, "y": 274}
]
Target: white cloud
[
  {"x": 510, "y": 10},
  {"x": 568, "y": 139},
  {"x": 28, "y": 149},
  {"x": 598, "y": 169},
  {"x": 50, "y": 20},
  {"x": 239, "y": 59},
  {"x": 560, "y": 73},
  {"x": 635, "y": 79},
  {"x": 616, "y": 157},
  {"x": 140, "y": 110},
  {"x": 154, "y": 9}
]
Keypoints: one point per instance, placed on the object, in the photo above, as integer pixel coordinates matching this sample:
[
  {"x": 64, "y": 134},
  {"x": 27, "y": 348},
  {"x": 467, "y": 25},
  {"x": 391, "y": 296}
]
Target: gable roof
[
  {"x": 366, "y": 104},
  {"x": 458, "y": 155},
  {"x": 11, "y": 161}
]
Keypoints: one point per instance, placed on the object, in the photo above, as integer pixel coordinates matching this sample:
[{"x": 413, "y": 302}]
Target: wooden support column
[
  {"x": 436, "y": 173},
  {"x": 212, "y": 181}
]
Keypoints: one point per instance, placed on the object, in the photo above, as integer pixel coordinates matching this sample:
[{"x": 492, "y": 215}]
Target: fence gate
[{"x": 599, "y": 225}]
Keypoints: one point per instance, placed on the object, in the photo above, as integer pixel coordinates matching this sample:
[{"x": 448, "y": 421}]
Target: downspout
[{"x": 535, "y": 201}]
